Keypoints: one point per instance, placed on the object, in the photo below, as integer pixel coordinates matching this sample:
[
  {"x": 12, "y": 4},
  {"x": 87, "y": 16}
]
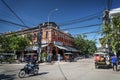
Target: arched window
[
  {"x": 46, "y": 34},
  {"x": 54, "y": 35}
]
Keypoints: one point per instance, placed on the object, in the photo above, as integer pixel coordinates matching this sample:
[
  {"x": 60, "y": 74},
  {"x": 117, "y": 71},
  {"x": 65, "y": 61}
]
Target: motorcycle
[{"x": 26, "y": 70}]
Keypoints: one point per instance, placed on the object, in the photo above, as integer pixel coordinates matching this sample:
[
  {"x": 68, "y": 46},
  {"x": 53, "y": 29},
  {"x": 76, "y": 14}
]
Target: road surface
[{"x": 83, "y": 69}]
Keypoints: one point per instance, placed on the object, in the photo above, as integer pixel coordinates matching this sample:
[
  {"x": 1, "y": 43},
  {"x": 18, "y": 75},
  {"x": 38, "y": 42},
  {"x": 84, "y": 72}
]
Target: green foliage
[
  {"x": 84, "y": 45},
  {"x": 8, "y": 59},
  {"x": 112, "y": 34},
  {"x": 14, "y": 42},
  {"x": 5, "y": 43}
]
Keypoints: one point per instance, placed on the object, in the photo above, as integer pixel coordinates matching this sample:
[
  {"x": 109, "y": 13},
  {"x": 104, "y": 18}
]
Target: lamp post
[
  {"x": 52, "y": 11},
  {"x": 50, "y": 14}
]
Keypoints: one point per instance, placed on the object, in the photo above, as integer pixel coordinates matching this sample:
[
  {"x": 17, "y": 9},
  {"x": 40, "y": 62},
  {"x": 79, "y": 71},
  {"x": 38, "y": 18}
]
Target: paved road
[{"x": 81, "y": 70}]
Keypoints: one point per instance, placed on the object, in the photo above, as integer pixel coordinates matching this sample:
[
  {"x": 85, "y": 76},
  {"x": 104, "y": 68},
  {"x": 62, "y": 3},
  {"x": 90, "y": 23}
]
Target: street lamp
[
  {"x": 50, "y": 14},
  {"x": 52, "y": 11}
]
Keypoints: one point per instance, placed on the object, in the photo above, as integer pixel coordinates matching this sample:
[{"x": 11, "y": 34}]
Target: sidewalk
[
  {"x": 45, "y": 63},
  {"x": 54, "y": 63}
]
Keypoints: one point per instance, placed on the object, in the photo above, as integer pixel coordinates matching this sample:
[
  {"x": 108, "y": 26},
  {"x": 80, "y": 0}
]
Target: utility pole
[
  {"x": 106, "y": 20},
  {"x": 106, "y": 17},
  {"x": 39, "y": 42}
]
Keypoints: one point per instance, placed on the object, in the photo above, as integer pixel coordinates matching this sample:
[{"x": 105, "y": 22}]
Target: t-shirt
[
  {"x": 97, "y": 58},
  {"x": 114, "y": 59}
]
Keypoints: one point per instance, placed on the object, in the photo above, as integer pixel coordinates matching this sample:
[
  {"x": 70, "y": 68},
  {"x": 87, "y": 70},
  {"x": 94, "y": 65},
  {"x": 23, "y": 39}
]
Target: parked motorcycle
[{"x": 26, "y": 70}]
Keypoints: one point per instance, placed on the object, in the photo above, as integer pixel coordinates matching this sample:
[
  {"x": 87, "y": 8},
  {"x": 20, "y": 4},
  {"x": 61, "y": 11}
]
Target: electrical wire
[
  {"x": 109, "y": 4},
  {"x": 12, "y": 11},
  {"x": 14, "y": 23},
  {"x": 96, "y": 33},
  {"x": 88, "y": 32},
  {"x": 83, "y": 26},
  {"x": 91, "y": 32},
  {"x": 8, "y": 16},
  {"x": 87, "y": 18},
  {"x": 80, "y": 21}
]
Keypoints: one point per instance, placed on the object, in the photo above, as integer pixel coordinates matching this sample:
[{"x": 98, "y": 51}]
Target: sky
[{"x": 70, "y": 14}]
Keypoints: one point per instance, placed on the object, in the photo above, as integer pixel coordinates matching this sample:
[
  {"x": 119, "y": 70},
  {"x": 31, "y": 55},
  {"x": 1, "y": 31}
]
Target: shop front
[{"x": 66, "y": 52}]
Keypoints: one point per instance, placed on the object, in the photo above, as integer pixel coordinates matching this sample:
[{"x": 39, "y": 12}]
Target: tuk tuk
[{"x": 101, "y": 59}]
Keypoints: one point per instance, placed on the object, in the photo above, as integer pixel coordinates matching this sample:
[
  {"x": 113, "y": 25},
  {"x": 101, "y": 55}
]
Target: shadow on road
[
  {"x": 104, "y": 67},
  {"x": 7, "y": 77},
  {"x": 43, "y": 73}
]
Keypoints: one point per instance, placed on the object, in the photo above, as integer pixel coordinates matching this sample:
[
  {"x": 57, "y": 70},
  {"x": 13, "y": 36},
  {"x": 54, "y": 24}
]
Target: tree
[
  {"x": 18, "y": 42},
  {"x": 115, "y": 35},
  {"x": 0, "y": 43},
  {"x": 84, "y": 45},
  {"x": 5, "y": 41},
  {"x": 91, "y": 46},
  {"x": 112, "y": 33},
  {"x": 14, "y": 42}
]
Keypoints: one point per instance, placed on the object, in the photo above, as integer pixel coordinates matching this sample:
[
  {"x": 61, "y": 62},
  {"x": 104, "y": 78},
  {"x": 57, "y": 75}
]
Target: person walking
[
  {"x": 50, "y": 57},
  {"x": 59, "y": 57},
  {"x": 44, "y": 56},
  {"x": 114, "y": 62}
]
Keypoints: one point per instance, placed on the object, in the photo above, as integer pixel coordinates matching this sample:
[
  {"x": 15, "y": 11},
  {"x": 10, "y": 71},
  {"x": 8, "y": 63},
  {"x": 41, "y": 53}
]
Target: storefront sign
[{"x": 58, "y": 43}]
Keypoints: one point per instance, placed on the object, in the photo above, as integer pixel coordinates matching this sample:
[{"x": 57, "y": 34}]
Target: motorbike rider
[
  {"x": 33, "y": 63},
  {"x": 30, "y": 66}
]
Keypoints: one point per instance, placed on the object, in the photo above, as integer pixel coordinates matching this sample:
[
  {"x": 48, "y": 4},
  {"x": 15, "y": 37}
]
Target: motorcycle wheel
[
  {"x": 21, "y": 74},
  {"x": 36, "y": 71}
]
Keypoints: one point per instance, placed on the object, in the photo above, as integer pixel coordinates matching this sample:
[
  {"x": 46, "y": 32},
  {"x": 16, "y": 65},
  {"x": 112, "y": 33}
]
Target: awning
[
  {"x": 61, "y": 47},
  {"x": 71, "y": 49},
  {"x": 67, "y": 53},
  {"x": 67, "y": 48},
  {"x": 44, "y": 45},
  {"x": 30, "y": 48}
]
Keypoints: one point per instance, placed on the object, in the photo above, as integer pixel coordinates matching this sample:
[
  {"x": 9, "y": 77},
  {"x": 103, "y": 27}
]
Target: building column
[
  {"x": 51, "y": 48},
  {"x": 63, "y": 54},
  {"x": 56, "y": 52}
]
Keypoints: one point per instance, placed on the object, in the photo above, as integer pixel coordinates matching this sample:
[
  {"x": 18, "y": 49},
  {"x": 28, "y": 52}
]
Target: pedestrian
[
  {"x": 49, "y": 57},
  {"x": 114, "y": 62},
  {"x": 44, "y": 57},
  {"x": 59, "y": 57}
]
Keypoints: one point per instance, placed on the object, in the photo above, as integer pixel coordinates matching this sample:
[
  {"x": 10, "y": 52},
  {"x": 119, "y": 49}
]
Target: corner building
[
  {"x": 53, "y": 40},
  {"x": 56, "y": 41}
]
